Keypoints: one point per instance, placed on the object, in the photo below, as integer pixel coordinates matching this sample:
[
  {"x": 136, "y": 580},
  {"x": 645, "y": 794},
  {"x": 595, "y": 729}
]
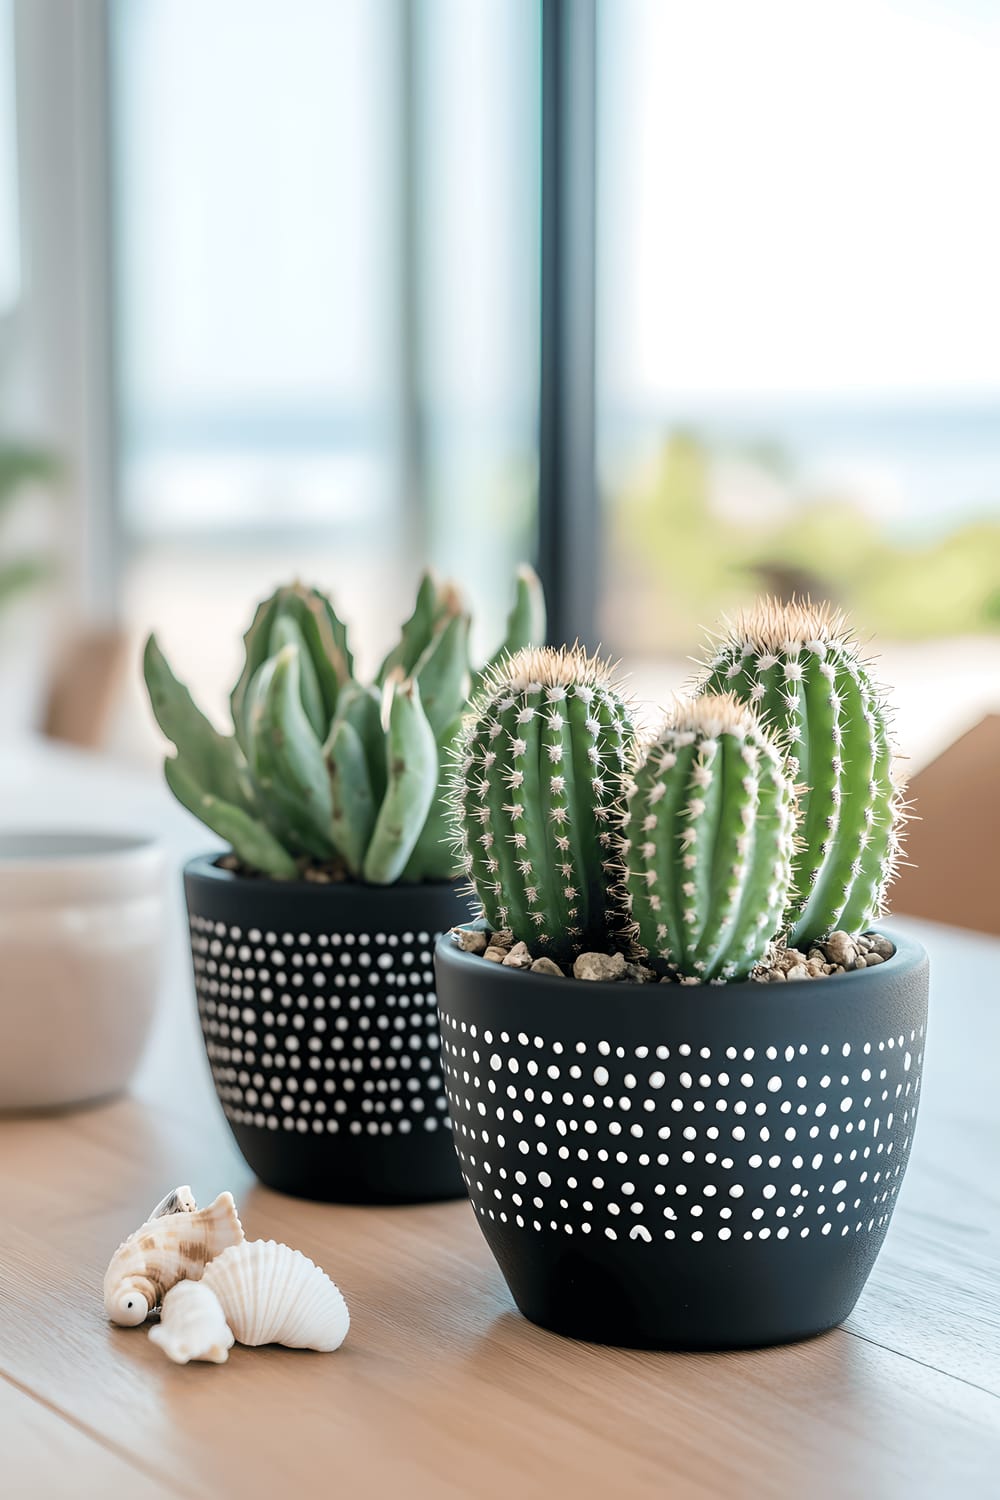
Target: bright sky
[{"x": 800, "y": 196}]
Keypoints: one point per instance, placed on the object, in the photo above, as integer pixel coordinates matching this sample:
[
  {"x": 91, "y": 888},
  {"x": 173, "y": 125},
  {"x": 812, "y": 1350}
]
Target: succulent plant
[
  {"x": 709, "y": 838},
  {"x": 322, "y": 767},
  {"x": 800, "y": 670},
  {"x": 538, "y": 777}
]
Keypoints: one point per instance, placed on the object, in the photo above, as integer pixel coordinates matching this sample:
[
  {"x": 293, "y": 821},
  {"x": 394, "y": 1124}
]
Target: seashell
[
  {"x": 173, "y": 1247},
  {"x": 192, "y": 1325},
  {"x": 271, "y": 1294},
  {"x": 180, "y": 1201}
]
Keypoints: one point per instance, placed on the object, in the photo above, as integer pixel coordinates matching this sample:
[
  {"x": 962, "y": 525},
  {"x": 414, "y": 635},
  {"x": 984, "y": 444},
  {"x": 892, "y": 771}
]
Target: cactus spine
[
  {"x": 798, "y": 667},
  {"x": 709, "y": 833},
  {"x": 539, "y": 769}
]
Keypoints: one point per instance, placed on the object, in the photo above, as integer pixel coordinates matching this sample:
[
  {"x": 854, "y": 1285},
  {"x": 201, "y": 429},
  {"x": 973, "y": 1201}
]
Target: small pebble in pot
[
  {"x": 599, "y": 966},
  {"x": 840, "y": 949},
  {"x": 518, "y": 957},
  {"x": 469, "y": 940},
  {"x": 881, "y": 945},
  {"x": 495, "y": 955},
  {"x": 503, "y": 939},
  {"x": 547, "y": 966}
]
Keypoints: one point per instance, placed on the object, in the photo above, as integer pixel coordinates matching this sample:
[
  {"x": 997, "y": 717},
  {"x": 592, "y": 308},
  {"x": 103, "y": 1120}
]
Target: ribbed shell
[
  {"x": 192, "y": 1325},
  {"x": 271, "y": 1294}
]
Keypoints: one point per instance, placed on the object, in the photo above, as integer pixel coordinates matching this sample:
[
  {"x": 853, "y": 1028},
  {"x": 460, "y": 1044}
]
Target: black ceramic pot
[
  {"x": 317, "y": 1009},
  {"x": 690, "y": 1167}
]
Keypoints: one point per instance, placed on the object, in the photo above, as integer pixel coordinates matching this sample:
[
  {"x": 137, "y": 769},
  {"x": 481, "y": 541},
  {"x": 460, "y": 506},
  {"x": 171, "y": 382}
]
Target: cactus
[
  {"x": 320, "y": 766},
  {"x": 709, "y": 838},
  {"x": 799, "y": 668},
  {"x": 538, "y": 773}
]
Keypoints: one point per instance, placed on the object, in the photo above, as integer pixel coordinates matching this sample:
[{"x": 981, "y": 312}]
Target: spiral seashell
[
  {"x": 180, "y": 1201},
  {"x": 271, "y": 1294},
  {"x": 192, "y": 1325},
  {"x": 169, "y": 1248}
]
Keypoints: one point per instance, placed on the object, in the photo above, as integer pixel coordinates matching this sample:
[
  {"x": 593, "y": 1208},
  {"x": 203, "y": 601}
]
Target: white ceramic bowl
[{"x": 81, "y": 929}]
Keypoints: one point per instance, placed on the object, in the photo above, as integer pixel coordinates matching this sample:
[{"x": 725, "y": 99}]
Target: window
[
  {"x": 327, "y": 260},
  {"x": 799, "y": 369}
]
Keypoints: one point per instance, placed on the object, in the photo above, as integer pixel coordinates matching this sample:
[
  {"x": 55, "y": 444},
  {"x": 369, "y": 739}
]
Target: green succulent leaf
[
  {"x": 326, "y": 637},
  {"x": 433, "y": 855},
  {"x": 526, "y": 622},
  {"x": 255, "y": 649},
  {"x": 351, "y": 793},
  {"x": 286, "y": 755},
  {"x": 214, "y": 760},
  {"x": 412, "y": 774},
  {"x": 286, "y": 631},
  {"x": 361, "y": 707},
  {"x": 442, "y": 673},
  {"x": 249, "y": 839},
  {"x": 307, "y": 618},
  {"x": 416, "y": 633}
]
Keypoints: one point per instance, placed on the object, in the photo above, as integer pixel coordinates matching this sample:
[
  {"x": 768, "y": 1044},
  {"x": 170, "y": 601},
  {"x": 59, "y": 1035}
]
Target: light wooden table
[{"x": 442, "y": 1389}]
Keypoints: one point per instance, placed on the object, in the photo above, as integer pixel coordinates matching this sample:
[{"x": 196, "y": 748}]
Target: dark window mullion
[{"x": 569, "y": 512}]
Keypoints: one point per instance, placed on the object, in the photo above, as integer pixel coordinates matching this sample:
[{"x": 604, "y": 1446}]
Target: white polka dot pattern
[
  {"x": 321, "y": 1033},
  {"x": 680, "y": 1142}
]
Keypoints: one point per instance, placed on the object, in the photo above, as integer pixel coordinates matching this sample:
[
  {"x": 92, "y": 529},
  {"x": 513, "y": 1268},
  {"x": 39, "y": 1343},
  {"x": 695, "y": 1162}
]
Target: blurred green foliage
[
  {"x": 678, "y": 558},
  {"x": 20, "y": 466}
]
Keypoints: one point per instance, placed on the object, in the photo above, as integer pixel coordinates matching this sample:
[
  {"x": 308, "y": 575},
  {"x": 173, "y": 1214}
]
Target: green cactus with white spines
[
  {"x": 798, "y": 667},
  {"x": 322, "y": 767},
  {"x": 538, "y": 779},
  {"x": 709, "y": 838}
]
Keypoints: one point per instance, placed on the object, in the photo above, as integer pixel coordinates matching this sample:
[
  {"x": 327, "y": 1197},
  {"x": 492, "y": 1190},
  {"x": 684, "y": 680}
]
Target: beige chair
[
  {"x": 954, "y": 848},
  {"x": 84, "y": 689}
]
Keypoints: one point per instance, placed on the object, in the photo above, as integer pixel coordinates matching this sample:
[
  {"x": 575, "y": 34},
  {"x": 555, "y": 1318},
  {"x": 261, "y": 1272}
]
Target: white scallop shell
[
  {"x": 272, "y": 1294},
  {"x": 192, "y": 1325},
  {"x": 169, "y": 1248}
]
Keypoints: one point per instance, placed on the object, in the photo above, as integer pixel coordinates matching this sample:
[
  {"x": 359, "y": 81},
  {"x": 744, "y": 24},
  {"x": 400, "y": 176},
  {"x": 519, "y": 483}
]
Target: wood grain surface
[{"x": 442, "y": 1389}]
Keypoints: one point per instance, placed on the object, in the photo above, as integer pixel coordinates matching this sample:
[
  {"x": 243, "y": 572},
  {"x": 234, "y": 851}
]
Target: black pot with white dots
[
  {"x": 316, "y": 1004},
  {"x": 687, "y": 1166}
]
